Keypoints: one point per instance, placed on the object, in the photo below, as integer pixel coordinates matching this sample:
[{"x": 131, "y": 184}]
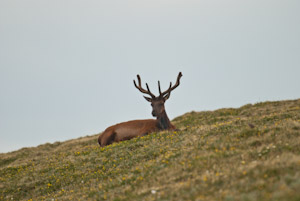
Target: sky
[{"x": 67, "y": 67}]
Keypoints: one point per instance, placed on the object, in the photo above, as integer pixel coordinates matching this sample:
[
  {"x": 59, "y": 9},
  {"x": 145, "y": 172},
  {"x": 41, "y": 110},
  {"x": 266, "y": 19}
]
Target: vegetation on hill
[{"x": 249, "y": 153}]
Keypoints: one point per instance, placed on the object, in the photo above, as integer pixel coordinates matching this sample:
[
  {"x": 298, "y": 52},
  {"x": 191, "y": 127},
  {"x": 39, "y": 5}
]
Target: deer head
[{"x": 157, "y": 102}]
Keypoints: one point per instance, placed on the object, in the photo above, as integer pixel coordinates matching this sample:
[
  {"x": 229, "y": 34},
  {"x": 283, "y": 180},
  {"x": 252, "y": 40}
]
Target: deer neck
[{"x": 164, "y": 122}]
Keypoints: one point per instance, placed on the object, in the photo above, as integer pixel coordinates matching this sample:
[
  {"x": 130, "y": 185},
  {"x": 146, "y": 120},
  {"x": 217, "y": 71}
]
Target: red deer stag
[{"x": 135, "y": 128}]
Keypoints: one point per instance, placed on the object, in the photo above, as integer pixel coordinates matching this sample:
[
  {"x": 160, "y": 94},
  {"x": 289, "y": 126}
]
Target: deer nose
[{"x": 153, "y": 114}]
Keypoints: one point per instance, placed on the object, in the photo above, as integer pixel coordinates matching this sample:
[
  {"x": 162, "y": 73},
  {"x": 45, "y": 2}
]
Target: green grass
[{"x": 249, "y": 153}]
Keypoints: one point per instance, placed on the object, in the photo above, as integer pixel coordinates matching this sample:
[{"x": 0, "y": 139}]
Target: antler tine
[
  {"x": 168, "y": 91},
  {"x": 150, "y": 93},
  {"x": 139, "y": 80},
  {"x": 159, "y": 88},
  {"x": 140, "y": 88}
]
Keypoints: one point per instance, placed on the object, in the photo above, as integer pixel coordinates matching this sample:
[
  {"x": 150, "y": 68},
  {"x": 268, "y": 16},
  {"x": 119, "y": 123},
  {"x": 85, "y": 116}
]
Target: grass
[{"x": 249, "y": 153}]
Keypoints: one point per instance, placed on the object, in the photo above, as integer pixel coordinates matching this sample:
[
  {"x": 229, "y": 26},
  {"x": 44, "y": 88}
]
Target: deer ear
[{"x": 148, "y": 99}]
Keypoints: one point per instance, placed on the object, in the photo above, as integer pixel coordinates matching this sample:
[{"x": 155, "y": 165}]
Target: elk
[{"x": 130, "y": 129}]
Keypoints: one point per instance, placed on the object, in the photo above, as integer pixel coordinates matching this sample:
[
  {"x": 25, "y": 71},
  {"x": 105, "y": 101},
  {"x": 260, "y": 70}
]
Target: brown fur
[{"x": 127, "y": 130}]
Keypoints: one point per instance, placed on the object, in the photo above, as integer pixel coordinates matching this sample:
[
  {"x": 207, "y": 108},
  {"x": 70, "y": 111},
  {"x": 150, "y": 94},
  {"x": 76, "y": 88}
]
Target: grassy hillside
[{"x": 249, "y": 153}]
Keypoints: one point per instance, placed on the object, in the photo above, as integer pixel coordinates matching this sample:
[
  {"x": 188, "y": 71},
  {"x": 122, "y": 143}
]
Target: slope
[{"x": 249, "y": 153}]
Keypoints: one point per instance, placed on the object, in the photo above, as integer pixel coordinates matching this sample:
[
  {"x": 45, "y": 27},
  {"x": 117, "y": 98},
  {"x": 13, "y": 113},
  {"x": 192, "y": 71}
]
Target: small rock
[
  {"x": 251, "y": 125},
  {"x": 153, "y": 191}
]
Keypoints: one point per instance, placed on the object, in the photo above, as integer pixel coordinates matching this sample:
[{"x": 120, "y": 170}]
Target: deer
[{"x": 138, "y": 128}]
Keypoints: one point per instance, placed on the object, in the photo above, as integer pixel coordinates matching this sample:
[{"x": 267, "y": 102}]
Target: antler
[
  {"x": 168, "y": 91},
  {"x": 140, "y": 88},
  {"x": 165, "y": 95}
]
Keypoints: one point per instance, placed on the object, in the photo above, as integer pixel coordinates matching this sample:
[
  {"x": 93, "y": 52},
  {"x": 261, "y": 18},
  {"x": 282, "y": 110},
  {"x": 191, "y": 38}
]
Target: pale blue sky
[{"x": 66, "y": 67}]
